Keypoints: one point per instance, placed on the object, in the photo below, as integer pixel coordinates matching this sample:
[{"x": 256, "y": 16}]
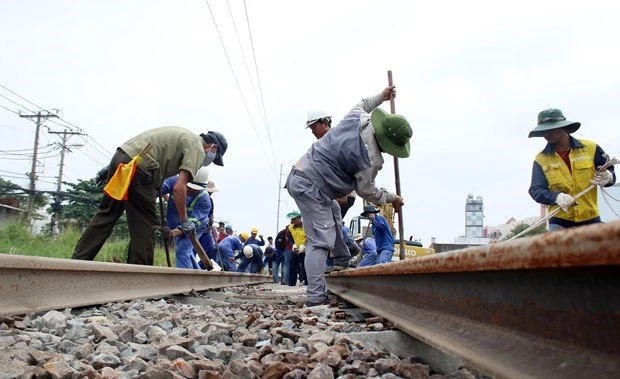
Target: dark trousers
[
  {"x": 141, "y": 218},
  {"x": 297, "y": 269}
]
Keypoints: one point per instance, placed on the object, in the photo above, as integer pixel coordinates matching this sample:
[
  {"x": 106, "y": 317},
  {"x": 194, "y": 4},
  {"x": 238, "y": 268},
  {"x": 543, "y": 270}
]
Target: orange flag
[{"x": 118, "y": 186}]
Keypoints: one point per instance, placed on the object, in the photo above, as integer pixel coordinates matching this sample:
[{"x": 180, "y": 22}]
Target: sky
[{"x": 471, "y": 78}]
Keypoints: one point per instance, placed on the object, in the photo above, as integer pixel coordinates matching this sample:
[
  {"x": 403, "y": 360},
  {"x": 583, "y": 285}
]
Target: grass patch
[{"x": 17, "y": 239}]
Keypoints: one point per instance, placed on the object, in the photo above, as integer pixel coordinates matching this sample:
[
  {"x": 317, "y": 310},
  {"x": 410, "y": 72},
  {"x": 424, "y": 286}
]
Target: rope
[
  {"x": 609, "y": 162},
  {"x": 605, "y": 194}
]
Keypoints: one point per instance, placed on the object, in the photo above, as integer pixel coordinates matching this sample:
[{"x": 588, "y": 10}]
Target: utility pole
[
  {"x": 279, "y": 201},
  {"x": 58, "y": 197},
  {"x": 33, "y": 176}
]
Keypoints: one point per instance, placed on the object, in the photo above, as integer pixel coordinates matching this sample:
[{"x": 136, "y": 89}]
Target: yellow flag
[{"x": 118, "y": 186}]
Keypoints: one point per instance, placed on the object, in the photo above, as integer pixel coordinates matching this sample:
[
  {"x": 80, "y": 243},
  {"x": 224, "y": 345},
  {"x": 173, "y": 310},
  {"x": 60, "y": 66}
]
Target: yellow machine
[{"x": 412, "y": 248}]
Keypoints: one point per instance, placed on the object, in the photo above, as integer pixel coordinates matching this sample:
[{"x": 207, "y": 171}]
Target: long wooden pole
[
  {"x": 401, "y": 231},
  {"x": 163, "y": 223}
]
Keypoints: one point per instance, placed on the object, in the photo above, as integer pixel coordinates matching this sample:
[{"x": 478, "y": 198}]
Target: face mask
[{"x": 209, "y": 157}]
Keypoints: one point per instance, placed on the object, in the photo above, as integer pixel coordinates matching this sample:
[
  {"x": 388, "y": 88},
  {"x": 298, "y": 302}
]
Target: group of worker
[{"x": 344, "y": 161}]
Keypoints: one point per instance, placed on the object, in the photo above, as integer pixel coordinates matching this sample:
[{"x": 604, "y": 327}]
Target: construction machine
[{"x": 360, "y": 225}]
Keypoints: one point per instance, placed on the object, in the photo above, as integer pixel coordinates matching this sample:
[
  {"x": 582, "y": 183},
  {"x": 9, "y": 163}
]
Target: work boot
[{"x": 335, "y": 268}]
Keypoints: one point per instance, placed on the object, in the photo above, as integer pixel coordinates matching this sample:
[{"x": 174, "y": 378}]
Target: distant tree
[
  {"x": 10, "y": 190},
  {"x": 542, "y": 228},
  {"x": 81, "y": 202}
]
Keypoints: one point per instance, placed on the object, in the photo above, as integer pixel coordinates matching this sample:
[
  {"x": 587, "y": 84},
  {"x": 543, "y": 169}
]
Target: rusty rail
[
  {"x": 546, "y": 306},
  {"x": 29, "y": 284}
]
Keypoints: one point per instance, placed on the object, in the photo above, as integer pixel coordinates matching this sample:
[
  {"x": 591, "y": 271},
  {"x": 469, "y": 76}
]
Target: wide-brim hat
[
  {"x": 369, "y": 209},
  {"x": 211, "y": 187},
  {"x": 197, "y": 186},
  {"x": 392, "y": 132},
  {"x": 550, "y": 119},
  {"x": 222, "y": 145},
  {"x": 358, "y": 237},
  {"x": 293, "y": 214}
]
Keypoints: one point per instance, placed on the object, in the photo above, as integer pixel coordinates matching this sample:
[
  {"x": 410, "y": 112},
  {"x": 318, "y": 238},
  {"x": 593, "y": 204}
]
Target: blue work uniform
[
  {"x": 383, "y": 238},
  {"x": 198, "y": 207},
  {"x": 254, "y": 264},
  {"x": 228, "y": 248},
  {"x": 369, "y": 252},
  {"x": 254, "y": 241}
]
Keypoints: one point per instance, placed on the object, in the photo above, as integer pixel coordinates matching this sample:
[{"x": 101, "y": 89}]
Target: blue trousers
[
  {"x": 228, "y": 258},
  {"x": 184, "y": 253},
  {"x": 275, "y": 268},
  {"x": 286, "y": 269},
  {"x": 385, "y": 256},
  {"x": 206, "y": 241},
  {"x": 368, "y": 260}
]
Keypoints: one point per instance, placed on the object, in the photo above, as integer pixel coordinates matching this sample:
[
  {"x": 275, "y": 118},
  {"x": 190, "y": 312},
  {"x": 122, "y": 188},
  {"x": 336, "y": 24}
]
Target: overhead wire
[
  {"x": 262, "y": 111},
  {"x": 260, "y": 87},
  {"x": 273, "y": 168}
]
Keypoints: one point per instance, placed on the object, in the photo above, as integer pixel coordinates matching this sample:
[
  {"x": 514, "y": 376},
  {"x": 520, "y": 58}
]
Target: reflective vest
[
  {"x": 298, "y": 234},
  {"x": 560, "y": 179}
]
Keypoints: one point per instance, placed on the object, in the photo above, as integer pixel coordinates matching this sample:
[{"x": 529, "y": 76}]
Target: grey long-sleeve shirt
[{"x": 365, "y": 180}]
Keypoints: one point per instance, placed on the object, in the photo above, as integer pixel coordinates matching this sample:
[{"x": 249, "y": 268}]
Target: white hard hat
[
  {"x": 315, "y": 115},
  {"x": 248, "y": 251},
  {"x": 200, "y": 180}
]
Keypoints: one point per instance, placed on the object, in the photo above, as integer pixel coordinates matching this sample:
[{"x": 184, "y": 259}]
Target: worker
[
  {"x": 369, "y": 250},
  {"x": 382, "y": 233},
  {"x": 295, "y": 249},
  {"x": 251, "y": 259},
  {"x": 345, "y": 159},
  {"x": 260, "y": 241},
  {"x": 198, "y": 205},
  {"x": 174, "y": 150},
  {"x": 229, "y": 248},
  {"x": 206, "y": 239},
  {"x": 273, "y": 260},
  {"x": 229, "y": 230},
  {"x": 320, "y": 122},
  {"x": 564, "y": 168}
]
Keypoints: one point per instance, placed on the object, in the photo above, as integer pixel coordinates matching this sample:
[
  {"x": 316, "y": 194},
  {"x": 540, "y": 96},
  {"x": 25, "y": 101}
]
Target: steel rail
[
  {"x": 540, "y": 307},
  {"x": 29, "y": 284}
]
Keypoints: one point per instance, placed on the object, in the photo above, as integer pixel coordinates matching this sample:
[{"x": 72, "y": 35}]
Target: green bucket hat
[
  {"x": 392, "y": 132},
  {"x": 550, "y": 119},
  {"x": 293, "y": 214}
]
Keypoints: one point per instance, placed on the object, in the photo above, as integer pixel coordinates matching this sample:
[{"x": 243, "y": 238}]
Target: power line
[
  {"x": 14, "y": 128},
  {"x": 21, "y": 97},
  {"x": 10, "y": 110},
  {"x": 16, "y": 103},
  {"x": 245, "y": 62},
  {"x": 260, "y": 88},
  {"x": 239, "y": 88}
]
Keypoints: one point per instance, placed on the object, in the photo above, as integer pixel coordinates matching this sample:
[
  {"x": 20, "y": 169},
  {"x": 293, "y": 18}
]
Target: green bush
[{"x": 17, "y": 239}]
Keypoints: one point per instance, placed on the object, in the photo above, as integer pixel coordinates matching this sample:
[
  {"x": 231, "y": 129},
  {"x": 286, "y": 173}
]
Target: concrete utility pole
[
  {"x": 58, "y": 197},
  {"x": 33, "y": 176},
  {"x": 279, "y": 201}
]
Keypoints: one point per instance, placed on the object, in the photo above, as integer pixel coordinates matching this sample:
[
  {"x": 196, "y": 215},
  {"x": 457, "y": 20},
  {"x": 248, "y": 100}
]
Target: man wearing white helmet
[
  {"x": 345, "y": 159},
  {"x": 251, "y": 259},
  {"x": 198, "y": 205}
]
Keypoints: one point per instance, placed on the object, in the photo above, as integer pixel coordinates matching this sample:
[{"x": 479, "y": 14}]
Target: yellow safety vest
[
  {"x": 298, "y": 234},
  {"x": 572, "y": 182}
]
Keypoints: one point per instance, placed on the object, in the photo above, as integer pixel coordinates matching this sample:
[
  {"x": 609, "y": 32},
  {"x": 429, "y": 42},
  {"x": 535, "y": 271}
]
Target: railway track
[{"x": 539, "y": 307}]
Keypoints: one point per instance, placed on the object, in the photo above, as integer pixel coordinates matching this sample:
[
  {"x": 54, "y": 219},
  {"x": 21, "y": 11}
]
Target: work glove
[
  {"x": 564, "y": 201},
  {"x": 188, "y": 227},
  {"x": 302, "y": 249},
  {"x": 602, "y": 178},
  {"x": 166, "y": 233},
  {"x": 295, "y": 248}
]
